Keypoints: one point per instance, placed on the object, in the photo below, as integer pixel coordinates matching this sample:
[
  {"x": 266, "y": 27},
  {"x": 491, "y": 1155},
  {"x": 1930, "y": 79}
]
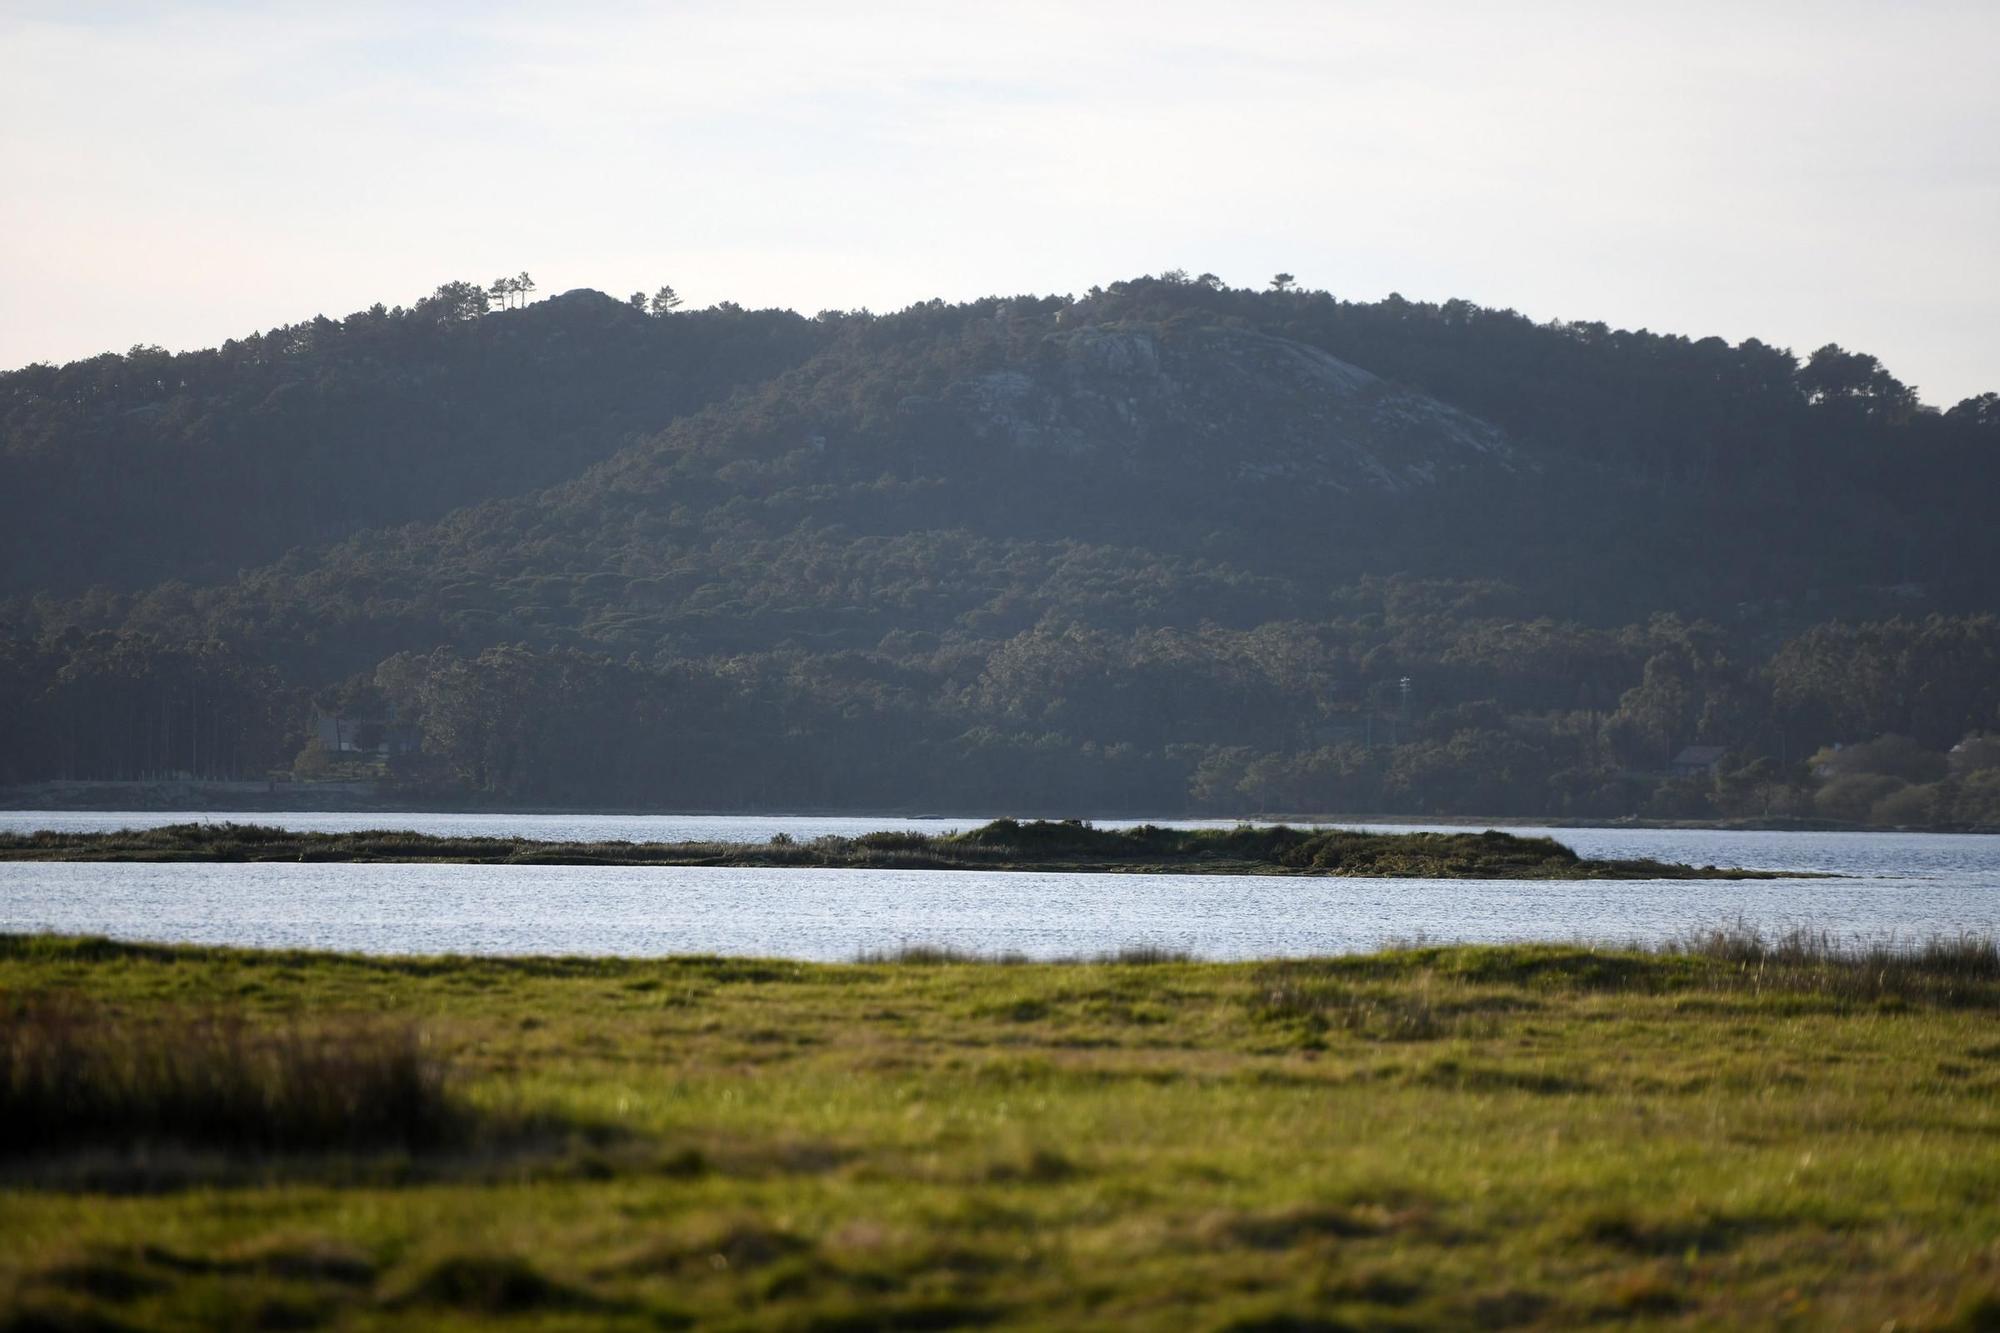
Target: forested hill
[
  {"x": 130, "y": 470},
  {"x": 1167, "y": 545}
]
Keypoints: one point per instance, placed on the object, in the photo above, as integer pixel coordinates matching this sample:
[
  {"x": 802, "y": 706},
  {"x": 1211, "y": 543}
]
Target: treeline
[
  {"x": 130, "y": 707},
  {"x": 1394, "y": 712}
]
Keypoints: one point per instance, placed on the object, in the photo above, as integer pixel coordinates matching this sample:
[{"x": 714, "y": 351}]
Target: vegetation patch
[
  {"x": 490, "y": 1284},
  {"x": 1286, "y": 1227}
]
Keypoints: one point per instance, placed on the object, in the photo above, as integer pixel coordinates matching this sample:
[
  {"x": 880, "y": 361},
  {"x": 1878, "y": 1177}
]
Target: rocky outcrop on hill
[{"x": 1238, "y": 403}]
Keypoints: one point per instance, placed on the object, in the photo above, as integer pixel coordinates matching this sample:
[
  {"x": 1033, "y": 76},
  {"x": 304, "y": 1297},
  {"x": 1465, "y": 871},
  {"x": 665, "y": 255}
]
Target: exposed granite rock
[{"x": 1210, "y": 398}]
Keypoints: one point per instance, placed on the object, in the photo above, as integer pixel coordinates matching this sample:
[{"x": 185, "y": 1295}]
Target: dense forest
[{"x": 1164, "y": 547}]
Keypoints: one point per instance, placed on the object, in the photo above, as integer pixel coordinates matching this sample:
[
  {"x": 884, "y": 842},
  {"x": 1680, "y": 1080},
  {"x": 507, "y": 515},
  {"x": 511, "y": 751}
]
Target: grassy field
[
  {"x": 1004, "y": 844},
  {"x": 1737, "y": 1133}
]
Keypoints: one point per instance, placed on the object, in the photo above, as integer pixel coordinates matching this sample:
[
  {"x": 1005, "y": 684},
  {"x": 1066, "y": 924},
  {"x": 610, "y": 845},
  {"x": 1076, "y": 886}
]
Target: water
[
  {"x": 542, "y": 828},
  {"x": 1898, "y": 886}
]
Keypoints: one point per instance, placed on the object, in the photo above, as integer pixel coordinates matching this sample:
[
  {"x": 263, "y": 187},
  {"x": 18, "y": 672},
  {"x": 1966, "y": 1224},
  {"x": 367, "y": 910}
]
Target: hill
[
  {"x": 131, "y": 470},
  {"x": 1164, "y": 546}
]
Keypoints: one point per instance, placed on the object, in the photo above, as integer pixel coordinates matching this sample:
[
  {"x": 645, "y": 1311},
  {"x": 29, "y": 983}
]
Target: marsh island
[{"x": 1004, "y": 844}]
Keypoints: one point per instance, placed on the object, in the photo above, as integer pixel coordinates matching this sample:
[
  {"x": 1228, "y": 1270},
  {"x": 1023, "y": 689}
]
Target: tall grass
[
  {"x": 1961, "y": 969},
  {"x": 74, "y": 1076},
  {"x": 1431, "y": 989},
  {"x": 1131, "y": 955},
  {"x": 937, "y": 955}
]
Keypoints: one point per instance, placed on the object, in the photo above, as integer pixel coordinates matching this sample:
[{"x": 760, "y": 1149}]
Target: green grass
[
  {"x": 1738, "y": 1132},
  {"x": 1004, "y": 844}
]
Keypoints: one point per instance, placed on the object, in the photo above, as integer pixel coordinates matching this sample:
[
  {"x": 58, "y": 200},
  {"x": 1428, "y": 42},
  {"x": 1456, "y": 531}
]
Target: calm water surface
[{"x": 1898, "y": 885}]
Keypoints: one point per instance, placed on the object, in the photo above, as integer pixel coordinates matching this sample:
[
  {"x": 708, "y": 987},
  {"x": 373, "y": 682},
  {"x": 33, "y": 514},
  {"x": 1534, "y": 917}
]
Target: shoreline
[
  {"x": 198, "y": 798},
  {"x": 259, "y": 797}
]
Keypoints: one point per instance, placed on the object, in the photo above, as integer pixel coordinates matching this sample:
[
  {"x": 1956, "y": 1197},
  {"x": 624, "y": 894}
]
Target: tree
[
  {"x": 637, "y": 300},
  {"x": 455, "y": 301},
  {"x": 664, "y": 300},
  {"x": 503, "y": 290},
  {"x": 1835, "y": 375},
  {"x": 313, "y": 762},
  {"x": 1982, "y": 411},
  {"x": 1282, "y": 282},
  {"x": 523, "y": 284},
  {"x": 1656, "y": 716}
]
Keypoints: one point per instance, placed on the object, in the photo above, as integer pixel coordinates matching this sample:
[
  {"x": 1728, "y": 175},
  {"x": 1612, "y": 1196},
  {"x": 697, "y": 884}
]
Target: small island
[{"x": 1004, "y": 844}]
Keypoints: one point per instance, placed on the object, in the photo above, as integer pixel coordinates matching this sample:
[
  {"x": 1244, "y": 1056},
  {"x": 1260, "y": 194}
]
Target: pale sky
[{"x": 1801, "y": 172}]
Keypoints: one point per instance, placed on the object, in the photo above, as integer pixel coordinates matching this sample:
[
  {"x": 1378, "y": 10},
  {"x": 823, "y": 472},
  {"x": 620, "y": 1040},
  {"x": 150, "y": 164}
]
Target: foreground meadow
[{"x": 1738, "y": 1133}]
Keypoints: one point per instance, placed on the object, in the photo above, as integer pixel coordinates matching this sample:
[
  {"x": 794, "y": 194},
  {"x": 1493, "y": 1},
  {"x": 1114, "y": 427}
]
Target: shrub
[
  {"x": 1885, "y": 756},
  {"x": 1975, "y": 754},
  {"x": 894, "y": 840},
  {"x": 1916, "y": 806},
  {"x": 1851, "y": 798}
]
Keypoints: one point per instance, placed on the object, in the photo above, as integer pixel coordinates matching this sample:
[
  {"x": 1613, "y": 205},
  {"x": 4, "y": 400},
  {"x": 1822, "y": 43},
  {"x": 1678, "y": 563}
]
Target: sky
[{"x": 1803, "y": 173}]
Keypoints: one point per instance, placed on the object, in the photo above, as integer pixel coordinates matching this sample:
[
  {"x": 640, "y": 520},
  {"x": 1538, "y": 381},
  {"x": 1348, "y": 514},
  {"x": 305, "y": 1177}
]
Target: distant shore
[
  {"x": 255, "y": 797},
  {"x": 1005, "y": 844}
]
